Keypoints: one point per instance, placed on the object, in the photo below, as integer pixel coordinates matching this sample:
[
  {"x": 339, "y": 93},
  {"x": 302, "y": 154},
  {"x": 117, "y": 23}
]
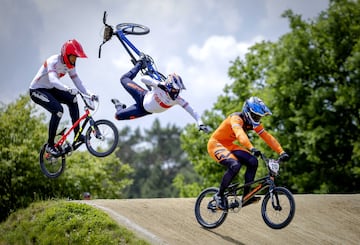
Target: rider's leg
[
  {"x": 131, "y": 112},
  {"x": 71, "y": 101},
  {"x": 224, "y": 156},
  {"x": 132, "y": 73},
  {"x": 45, "y": 98},
  {"x": 233, "y": 168},
  {"x": 137, "y": 92},
  {"x": 251, "y": 164}
]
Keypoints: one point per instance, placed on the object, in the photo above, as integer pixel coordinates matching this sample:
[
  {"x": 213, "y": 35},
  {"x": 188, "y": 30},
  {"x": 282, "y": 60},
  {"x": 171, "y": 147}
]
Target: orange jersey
[{"x": 234, "y": 128}]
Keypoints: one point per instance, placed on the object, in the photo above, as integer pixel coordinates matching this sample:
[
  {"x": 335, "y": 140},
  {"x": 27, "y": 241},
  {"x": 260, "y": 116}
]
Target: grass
[{"x": 62, "y": 222}]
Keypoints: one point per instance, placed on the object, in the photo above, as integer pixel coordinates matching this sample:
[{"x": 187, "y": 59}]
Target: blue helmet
[
  {"x": 174, "y": 84},
  {"x": 254, "y": 109}
]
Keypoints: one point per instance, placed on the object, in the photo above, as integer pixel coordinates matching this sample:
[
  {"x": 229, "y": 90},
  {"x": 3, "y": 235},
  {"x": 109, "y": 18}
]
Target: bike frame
[
  {"x": 264, "y": 182},
  {"x": 87, "y": 117},
  {"x": 150, "y": 70},
  {"x": 64, "y": 136}
]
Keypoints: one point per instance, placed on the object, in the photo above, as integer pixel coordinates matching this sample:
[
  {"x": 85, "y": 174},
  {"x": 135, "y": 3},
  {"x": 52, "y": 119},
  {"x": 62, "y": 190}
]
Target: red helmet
[{"x": 72, "y": 47}]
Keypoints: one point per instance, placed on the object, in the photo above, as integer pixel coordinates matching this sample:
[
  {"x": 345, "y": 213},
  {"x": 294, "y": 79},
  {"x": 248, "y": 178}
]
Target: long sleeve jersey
[
  {"x": 234, "y": 128},
  {"x": 157, "y": 100},
  {"x": 50, "y": 73}
]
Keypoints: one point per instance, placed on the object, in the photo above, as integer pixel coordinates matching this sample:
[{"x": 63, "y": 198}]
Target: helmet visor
[{"x": 255, "y": 117}]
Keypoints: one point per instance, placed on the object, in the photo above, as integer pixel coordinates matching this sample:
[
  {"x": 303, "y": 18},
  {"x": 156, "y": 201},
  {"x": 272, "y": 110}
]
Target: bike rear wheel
[
  {"x": 278, "y": 209},
  {"x": 206, "y": 212},
  {"x": 133, "y": 29},
  {"x": 102, "y": 139},
  {"x": 52, "y": 167}
]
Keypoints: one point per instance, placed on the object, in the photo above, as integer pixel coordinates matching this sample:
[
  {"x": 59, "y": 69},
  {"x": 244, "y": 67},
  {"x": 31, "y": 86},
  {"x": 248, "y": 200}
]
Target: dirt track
[{"x": 319, "y": 219}]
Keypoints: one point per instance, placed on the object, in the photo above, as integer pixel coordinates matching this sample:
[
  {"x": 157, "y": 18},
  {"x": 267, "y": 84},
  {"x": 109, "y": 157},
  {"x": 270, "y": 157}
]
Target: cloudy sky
[{"x": 195, "y": 39}]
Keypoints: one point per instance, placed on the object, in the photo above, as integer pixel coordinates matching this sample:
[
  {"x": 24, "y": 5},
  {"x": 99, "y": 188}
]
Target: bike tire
[
  {"x": 133, "y": 29},
  {"x": 52, "y": 167},
  {"x": 103, "y": 140},
  {"x": 206, "y": 212},
  {"x": 279, "y": 212}
]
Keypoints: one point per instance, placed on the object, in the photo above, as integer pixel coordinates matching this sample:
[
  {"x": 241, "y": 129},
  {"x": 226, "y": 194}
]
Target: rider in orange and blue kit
[{"x": 223, "y": 150}]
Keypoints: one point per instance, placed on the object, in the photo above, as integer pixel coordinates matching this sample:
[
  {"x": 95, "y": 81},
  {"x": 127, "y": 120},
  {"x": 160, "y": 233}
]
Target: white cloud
[{"x": 196, "y": 39}]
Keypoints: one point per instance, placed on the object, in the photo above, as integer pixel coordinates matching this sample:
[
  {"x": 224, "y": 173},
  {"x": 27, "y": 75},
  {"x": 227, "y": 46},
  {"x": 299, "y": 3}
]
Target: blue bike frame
[{"x": 150, "y": 69}]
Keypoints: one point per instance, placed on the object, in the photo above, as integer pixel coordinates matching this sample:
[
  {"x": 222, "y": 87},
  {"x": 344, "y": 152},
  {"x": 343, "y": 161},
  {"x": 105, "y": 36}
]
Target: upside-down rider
[{"x": 161, "y": 97}]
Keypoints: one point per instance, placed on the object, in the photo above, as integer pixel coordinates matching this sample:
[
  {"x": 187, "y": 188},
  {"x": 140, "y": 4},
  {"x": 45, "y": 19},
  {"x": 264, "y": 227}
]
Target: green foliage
[
  {"x": 60, "y": 222},
  {"x": 19, "y": 171},
  {"x": 23, "y": 132},
  {"x": 310, "y": 79},
  {"x": 157, "y": 158},
  {"x": 102, "y": 177}
]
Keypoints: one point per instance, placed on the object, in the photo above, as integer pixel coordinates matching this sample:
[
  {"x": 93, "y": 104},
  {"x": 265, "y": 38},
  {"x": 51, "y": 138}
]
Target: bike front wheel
[
  {"x": 206, "y": 212},
  {"x": 133, "y": 29},
  {"x": 52, "y": 167},
  {"x": 102, "y": 138},
  {"x": 278, "y": 208}
]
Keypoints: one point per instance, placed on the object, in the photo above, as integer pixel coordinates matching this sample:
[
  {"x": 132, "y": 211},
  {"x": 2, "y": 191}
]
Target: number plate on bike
[{"x": 274, "y": 166}]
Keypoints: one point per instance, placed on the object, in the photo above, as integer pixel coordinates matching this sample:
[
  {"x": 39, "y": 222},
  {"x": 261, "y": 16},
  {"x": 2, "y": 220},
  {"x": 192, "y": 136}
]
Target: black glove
[
  {"x": 143, "y": 61},
  {"x": 284, "y": 157},
  {"x": 204, "y": 128},
  {"x": 95, "y": 97},
  {"x": 255, "y": 152}
]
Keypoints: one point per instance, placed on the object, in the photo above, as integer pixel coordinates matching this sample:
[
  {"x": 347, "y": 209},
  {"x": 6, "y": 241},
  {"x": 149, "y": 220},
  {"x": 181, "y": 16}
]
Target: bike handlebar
[
  {"x": 88, "y": 100},
  {"x": 271, "y": 164}
]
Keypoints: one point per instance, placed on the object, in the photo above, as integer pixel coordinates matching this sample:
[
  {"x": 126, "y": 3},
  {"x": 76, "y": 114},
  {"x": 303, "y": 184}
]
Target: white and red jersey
[
  {"x": 50, "y": 73},
  {"x": 157, "y": 100}
]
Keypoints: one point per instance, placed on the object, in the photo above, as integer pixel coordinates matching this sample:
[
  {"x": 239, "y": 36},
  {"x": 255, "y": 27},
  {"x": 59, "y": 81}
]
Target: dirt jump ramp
[{"x": 319, "y": 219}]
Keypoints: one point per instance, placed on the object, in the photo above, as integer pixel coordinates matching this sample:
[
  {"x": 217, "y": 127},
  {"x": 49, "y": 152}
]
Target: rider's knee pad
[
  {"x": 253, "y": 163},
  {"x": 75, "y": 100},
  {"x": 59, "y": 114},
  {"x": 234, "y": 166}
]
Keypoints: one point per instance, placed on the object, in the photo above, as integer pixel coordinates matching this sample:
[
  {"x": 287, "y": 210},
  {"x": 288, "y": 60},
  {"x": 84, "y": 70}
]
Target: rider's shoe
[
  {"x": 52, "y": 150},
  {"x": 118, "y": 104},
  {"x": 220, "y": 201},
  {"x": 254, "y": 199}
]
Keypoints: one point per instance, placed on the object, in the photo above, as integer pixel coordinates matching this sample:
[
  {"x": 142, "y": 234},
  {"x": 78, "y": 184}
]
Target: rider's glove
[
  {"x": 73, "y": 91},
  {"x": 143, "y": 61},
  {"x": 94, "y": 97},
  {"x": 255, "y": 152},
  {"x": 204, "y": 128},
  {"x": 284, "y": 157}
]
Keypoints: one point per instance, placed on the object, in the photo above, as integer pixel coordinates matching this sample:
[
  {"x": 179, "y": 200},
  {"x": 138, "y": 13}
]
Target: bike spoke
[{"x": 206, "y": 211}]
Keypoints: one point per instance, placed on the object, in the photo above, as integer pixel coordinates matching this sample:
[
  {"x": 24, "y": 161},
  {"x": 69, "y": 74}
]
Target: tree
[
  {"x": 23, "y": 132},
  {"x": 157, "y": 158},
  {"x": 310, "y": 79}
]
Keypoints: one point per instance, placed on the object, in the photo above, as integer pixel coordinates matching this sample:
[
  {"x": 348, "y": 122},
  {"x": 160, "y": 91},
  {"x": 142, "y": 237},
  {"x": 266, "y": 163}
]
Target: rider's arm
[
  {"x": 189, "y": 109},
  {"x": 149, "y": 82},
  {"x": 78, "y": 83},
  {"x": 54, "y": 79},
  {"x": 237, "y": 126},
  {"x": 269, "y": 139}
]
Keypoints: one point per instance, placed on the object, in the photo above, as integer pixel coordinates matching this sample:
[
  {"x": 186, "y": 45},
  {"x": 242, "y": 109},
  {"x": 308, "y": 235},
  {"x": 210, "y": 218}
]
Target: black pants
[
  {"x": 233, "y": 168},
  {"x": 137, "y": 92},
  {"x": 51, "y": 100}
]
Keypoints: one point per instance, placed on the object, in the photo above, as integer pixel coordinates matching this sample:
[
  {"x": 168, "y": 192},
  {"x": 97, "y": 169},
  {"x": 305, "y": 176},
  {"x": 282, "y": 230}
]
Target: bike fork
[
  {"x": 274, "y": 199},
  {"x": 95, "y": 129}
]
